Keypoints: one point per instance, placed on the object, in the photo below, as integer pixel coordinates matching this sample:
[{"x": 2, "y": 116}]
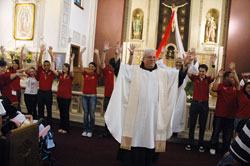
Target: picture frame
[
  {"x": 60, "y": 59},
  {"x": 24, "y": 21},
  {"x": 79, "y": 3}
]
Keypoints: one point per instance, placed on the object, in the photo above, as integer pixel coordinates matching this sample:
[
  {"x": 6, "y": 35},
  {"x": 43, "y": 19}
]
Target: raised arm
[
  {"x": 96, "y": 52},
  {"x": 80, "y": 57},
  {"x": 4, "y": 56},
  {"x": 71, "y": 64},
  {"x": 105, "y": 51},
  {"x": 42, "y": 49},
  {"x": 233, "y": 70},
  {"x": 22, "y": 59},
  {"x": 217, "y": 80},
  {"x": 213, "y": 59},
  {"x": 118, "y": 51},
  {"x": 131, "y": 53},
  {"x": 53, "y": 61},
  {"x": 50, "y": 51}
]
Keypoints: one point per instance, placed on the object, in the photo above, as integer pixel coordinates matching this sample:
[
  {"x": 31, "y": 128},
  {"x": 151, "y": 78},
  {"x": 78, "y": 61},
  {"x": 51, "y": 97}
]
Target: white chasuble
[{"x": 151, "y": 110}]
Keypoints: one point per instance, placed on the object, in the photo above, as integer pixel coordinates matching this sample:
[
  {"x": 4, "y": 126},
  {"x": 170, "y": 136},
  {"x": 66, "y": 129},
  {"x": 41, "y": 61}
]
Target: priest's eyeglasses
[{"x": 150, "y": 57}]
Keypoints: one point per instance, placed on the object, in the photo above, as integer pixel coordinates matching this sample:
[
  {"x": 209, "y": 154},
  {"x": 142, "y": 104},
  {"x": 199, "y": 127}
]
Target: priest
[{"x": 139, "y": 115}]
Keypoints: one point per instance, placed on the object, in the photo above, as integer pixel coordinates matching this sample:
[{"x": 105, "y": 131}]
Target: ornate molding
[
  {"x": 64, "y": 25},
  {"x": 200, "y": 19}
]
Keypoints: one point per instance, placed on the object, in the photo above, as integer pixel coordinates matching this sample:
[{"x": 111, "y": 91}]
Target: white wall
[
  {"x": 84, "y": 22},
  {"x": 48, "y": 21}
]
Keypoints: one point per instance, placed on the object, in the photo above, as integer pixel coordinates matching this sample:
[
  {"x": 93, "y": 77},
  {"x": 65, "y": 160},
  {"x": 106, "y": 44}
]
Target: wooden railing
[{"x": 76, "y": 113}]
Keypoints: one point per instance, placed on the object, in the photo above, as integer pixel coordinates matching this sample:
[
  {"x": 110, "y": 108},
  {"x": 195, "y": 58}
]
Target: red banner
[{"x": 165, "y": 38}]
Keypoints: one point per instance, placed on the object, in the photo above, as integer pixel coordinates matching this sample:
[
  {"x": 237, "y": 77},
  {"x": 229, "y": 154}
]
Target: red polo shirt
[
  {"x": 64, "y": 86},
  {"x": 201, "y": 87},
  {"x": 45, "y": 79},
  {"x": 243, "y": 101},
  {"x": 6, "y": 90},
  {"x": 4, "y": 80},
  {"x": 226, "y": 104},
  {"x": 16, "y": 82},
  {"x": 90, "y": 83},
  {"x": 108, "y": 81}
]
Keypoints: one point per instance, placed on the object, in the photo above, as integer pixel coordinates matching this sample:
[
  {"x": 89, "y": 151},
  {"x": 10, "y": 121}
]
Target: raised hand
[
  {"x": 213, "y": 59},
  {"x": 72, "y": 57},
  {"x": 231, "y": 66},
  {"x": 188, "y": 59},
  {"x": 106, "y": 46},
  {"x": 42, "y": 48},
  {"x": 221, "y": 73},
  {"x": 83, "y": 50},
  {"x": 96, "y": 51},
  {"x": 2, "y": 49},
  {"x": 118, "y": 48},
  {"x": 132, "y": 49},
  {"x": 50, "y": 51}
]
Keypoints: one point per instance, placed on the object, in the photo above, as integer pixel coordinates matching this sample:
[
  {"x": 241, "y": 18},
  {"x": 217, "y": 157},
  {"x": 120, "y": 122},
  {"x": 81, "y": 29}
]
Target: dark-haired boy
[
  {"x": 226, "y": 107},
  {"x": 199, "y": 105},
  {"x": 45, "y": 77}
]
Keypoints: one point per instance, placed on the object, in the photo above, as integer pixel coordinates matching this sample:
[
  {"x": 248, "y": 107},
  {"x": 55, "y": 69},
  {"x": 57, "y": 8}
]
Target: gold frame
[{"x": 26, "y": 10}]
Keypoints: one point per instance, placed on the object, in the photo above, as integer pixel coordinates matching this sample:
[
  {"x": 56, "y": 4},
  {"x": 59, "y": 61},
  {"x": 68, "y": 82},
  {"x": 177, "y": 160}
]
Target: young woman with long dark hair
[
  {"x": 64, "y": 93},
  {"x": 89, "y": 98}
]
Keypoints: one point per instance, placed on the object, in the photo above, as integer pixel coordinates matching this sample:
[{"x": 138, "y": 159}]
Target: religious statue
[
  {"x": 174, "y": 8},
  {"x": 210, "y": 30},
  {"x": 137, "y": 27}
]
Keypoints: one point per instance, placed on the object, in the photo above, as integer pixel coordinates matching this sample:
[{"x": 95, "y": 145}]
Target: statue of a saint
[
  {"x": 137, "y": 27},
  {"x": 210, "y": 30},
  {"x": 174, "y": 8}
]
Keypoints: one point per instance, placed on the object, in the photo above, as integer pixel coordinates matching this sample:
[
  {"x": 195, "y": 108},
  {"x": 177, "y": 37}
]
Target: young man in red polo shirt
[
  {"x": 199, "y": 105},
  {"x": 226, "y": 107},
  {"x": 45, "y": 77}
]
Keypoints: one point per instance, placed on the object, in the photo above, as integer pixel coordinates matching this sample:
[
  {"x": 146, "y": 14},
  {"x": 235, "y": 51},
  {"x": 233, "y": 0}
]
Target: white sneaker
[
  {"x": 212, "y": 151},
  {"x": 89, "y": 135},
  {"x": 84, "y": 134}
]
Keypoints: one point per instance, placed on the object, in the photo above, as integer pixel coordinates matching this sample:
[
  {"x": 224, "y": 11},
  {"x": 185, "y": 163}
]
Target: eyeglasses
[{"x": 151, "y": 57}]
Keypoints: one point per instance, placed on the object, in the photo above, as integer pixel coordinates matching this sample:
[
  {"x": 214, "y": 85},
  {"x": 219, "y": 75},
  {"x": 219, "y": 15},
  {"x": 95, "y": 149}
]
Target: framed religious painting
[
  {"x": 60, "y": 60},
  {"x": 24, "y": 21}
]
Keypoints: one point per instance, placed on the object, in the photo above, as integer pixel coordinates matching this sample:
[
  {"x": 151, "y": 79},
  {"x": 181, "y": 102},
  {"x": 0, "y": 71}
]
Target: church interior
[{"x": 219, "y": 27}]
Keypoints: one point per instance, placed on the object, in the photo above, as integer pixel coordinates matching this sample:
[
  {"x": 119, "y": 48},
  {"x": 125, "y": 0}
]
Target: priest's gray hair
[{"x": 145, "y": 53}]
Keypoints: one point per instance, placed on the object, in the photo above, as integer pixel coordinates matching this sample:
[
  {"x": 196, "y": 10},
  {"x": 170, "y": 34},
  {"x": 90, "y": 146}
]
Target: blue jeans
[{"x": 89, "y": 105}]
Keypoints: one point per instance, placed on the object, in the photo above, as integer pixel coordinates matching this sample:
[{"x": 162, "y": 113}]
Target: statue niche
[
  {"x": 137, "y": 24},
  {"x": 212, "y": 18}
]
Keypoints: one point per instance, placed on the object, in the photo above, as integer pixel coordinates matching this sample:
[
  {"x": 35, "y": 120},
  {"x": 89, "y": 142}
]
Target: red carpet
[{"x": 74, "y": 150}]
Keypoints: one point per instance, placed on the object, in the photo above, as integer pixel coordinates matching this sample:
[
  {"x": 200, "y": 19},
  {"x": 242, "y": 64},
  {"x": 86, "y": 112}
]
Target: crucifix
[{"x": 174, "y": 8}]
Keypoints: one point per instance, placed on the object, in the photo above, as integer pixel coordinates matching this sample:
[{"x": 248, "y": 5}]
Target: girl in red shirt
[
  {"x": 243, "y": 102},
  {"x": 64, "y": 93},
  {"x": 89, "y": 98}
]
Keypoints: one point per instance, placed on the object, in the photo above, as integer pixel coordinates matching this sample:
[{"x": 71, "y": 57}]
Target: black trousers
[
  {"x": 105, "y": 106},
  {"x": 198, "y": 109},
  {"x": 138, "y": 156},
  {"x": 18, "y": 92},
  {"x": 45, "y": 98},
  {"x": 31, "y": 102},
  {"x": 64, "y": 105},
  {"x": 226, "y": 126}
]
